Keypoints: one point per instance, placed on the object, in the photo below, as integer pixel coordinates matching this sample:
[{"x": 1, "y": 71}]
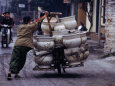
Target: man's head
[
  {"x": 7, "y": 14},
  {"x": 26, "y": 19},
  {"x": 42, "y": 13}
]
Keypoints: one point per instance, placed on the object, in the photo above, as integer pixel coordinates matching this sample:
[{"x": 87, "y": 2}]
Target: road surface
[{"x": 96, "y": 71}]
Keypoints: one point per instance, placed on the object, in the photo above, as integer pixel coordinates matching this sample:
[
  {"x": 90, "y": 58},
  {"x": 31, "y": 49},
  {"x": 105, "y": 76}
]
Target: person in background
[
  {"x": 82, "y": 27},
  {"x": 23, "y": 44},
  {"x": 39, "y": 30},
  {"x": 8, "y": 21}
]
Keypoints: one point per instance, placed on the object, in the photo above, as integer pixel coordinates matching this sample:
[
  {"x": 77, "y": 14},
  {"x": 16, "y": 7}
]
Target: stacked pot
[
  {"x": 76, "y": 48},
  {"x": 44, "y": 46},
  {"x": 64, "y": 35}
]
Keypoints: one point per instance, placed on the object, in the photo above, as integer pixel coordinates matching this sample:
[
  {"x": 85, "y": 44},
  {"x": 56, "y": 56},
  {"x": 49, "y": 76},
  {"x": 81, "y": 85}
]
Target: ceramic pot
[
  {"x": 58, "y": 39},
  {"x": 71, "y": 41},
  {"x": 69, "y": 22},
  {"x": 35, "y": 40},
  {"x": 44, "y": 43},
  {"x": 63, "y": 32},
  {"x": 73, "y": 58},
  {"x": 45, "y": 25},
  {"x": 86, "y": 54},
  {"x": 84, "y": 47},
  {"x": 84, "y": 39},
  {"x": 59, "y": 27},
  {"x": 82, "y": 36},
  {"x": 42, "y": 53},
  {"x": 71, "y": 51},
  {"x": 44, "y": 60},
  {"x": 45, "y": 28},
  {"x": 81, "y": 56}
]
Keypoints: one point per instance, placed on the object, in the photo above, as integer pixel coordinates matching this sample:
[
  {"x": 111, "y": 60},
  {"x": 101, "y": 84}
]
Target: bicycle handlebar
[{"x": 5, "y": 26}]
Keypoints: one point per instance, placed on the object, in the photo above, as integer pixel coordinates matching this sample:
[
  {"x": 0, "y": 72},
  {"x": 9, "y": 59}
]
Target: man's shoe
[{"x": 9, "y": 77}]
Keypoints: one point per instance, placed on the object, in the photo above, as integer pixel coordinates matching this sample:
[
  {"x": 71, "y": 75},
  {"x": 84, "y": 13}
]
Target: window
[{"x": 103, "y": 12}]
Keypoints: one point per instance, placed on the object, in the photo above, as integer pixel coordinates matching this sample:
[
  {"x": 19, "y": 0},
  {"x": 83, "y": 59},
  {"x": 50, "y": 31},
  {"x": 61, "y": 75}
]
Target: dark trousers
[
  {"x": 18, "y": 58},
  {"x": 10, "y": 34}
]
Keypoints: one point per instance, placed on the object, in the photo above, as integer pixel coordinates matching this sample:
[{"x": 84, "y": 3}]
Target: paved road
[{"x": 96, "y": 72}]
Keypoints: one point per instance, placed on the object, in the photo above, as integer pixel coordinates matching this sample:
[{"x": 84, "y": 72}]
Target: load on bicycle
[{"x": 60, "y": 46}]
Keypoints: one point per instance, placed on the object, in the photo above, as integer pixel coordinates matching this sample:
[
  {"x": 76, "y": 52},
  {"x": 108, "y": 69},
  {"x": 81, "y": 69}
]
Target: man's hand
[{"x": 46, "y": 13}]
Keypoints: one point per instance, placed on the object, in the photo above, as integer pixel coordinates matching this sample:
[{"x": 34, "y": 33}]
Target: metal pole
[
  {"x": 76, "y": 8},
  {"x": 99, "y": 27}
]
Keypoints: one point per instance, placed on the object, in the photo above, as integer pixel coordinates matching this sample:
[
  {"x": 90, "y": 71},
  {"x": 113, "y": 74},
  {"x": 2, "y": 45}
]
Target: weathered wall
[
  {"x": 81, "y": 15},
  {"x": 110, "y": 27}
]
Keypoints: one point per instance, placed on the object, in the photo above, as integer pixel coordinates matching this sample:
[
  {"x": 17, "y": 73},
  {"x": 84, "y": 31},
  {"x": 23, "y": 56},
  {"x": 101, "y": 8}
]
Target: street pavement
[{"x": 96, "y": 71}]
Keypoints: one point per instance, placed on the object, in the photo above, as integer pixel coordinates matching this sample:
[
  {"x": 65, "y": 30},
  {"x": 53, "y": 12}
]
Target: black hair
[
  {"x": 6, "y": 13},
  {"x": 42, "y": 13},
  {"x": 26, "y": 19}
]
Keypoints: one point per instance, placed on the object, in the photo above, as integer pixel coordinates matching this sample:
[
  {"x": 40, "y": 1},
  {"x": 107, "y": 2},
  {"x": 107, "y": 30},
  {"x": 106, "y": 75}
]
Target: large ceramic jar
[
  {"x": 44, "y": 43},
  {"x": 59, "y": 27},
  {"x": 45, "y": 25},
  {"x": 63, "y": 32},
  {"x": 71, "y": 51},
  {"x": 71, "y": 40},
  {"x": 82, "y": 36},
  {"x": 58, "y": 37},
  {"x": 86, "y": 54},
  {"x": 45, "y": 60},
  {"x": 84, "y": 39},
  {"x": 35, "y": 41},
  {"x": 69, "y": 22}
]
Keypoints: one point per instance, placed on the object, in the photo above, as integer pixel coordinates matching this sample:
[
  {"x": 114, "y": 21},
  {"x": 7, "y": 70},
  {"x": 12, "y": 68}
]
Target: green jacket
[{"x": 25, "y": 34}]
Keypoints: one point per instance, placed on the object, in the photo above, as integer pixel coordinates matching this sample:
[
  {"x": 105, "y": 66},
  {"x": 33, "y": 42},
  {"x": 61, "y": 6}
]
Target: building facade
[{"x": 4, "y": 4}]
